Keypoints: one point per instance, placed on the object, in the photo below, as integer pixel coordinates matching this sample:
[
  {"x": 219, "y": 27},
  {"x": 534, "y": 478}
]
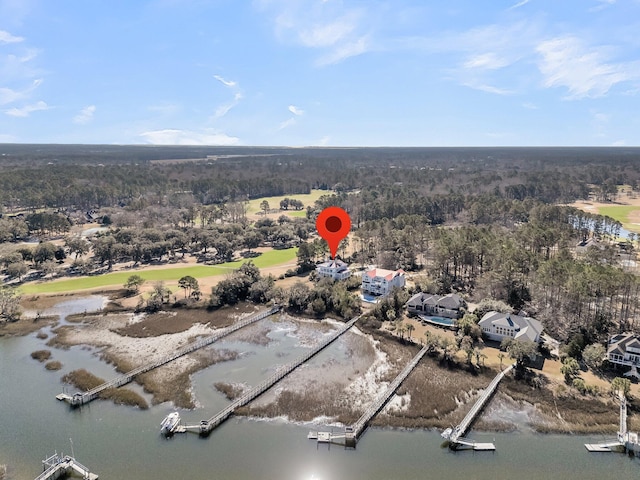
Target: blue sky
[{"x": 321, "y": 72}]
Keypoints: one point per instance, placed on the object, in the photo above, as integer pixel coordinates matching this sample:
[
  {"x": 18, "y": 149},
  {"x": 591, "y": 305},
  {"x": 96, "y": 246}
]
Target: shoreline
[{"x": 434, "y": 396}]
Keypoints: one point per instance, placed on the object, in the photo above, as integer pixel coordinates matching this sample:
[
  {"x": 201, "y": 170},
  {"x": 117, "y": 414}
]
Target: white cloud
[
  {"x": 530, "y": 106},
  {"x": 287, "y": 123},
  {"x": 602, "y": 4},
  {"x": 585, "y": 72},
  {"x": 295, "y": 110},
  {"x": 6, "y": 37},
  {"x": 347, "y": 50},
  {"x": 489, "y": 61},
  {"x": 8, "y": 95},
  {"x": 488, "y": 88},
  {"x": 522, "y": 3},
  {"x": 338, "y": 32},
  {"x": 226, "y": 83},
  {"x": 85, "y": 115},
  {"x": 619, "y": 143},
  {"x": 326, "y": 35},
  {"x": 27, "y": 109},
  {"x": 324, "y": 141},
  {"x": 187, "y": 137},
  {"x": 223, "y": 109}
]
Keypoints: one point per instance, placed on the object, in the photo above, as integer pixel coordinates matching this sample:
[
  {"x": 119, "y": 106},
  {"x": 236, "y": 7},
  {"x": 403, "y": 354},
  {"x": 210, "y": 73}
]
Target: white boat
[{"x": 170, "y": 423}]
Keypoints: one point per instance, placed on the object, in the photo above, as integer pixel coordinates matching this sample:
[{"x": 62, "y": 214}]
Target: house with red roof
[{"x": 379, "y": 281}]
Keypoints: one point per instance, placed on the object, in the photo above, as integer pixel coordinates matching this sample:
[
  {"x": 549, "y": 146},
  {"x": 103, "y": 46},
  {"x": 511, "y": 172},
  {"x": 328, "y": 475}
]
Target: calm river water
[{"x": 119, "y": 442}]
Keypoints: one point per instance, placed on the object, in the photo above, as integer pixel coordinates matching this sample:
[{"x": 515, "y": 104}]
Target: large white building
[
  {"x": 336, "y": 269},
  {"x": 498, "y": 326},
  {"x": 378, "y": 281}
]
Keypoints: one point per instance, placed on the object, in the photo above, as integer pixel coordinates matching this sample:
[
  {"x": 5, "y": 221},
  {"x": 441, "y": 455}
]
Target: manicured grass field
[
  {"x": 621, "y": 214},
  {"x": 307, "y": 199},
  {"x": 267, "y": 259}
]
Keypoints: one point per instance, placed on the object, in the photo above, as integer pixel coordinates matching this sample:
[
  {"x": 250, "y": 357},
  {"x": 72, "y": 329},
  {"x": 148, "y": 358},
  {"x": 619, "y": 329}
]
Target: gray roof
[
  {"x": 527, "y": 328},
  {"x": 618, "y": 344}
]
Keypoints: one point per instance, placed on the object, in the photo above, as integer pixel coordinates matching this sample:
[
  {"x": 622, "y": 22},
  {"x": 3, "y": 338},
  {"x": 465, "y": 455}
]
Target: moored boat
[{"x": 170, "y": 423}]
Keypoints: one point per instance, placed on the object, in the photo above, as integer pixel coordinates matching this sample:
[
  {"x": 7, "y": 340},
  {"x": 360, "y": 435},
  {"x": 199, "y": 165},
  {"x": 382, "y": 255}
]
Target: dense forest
[{"x": 485, "y": 222}]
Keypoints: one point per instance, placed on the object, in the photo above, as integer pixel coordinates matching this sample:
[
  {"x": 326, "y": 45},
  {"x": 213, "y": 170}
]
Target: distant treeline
[{"x": 429, "y": 181}]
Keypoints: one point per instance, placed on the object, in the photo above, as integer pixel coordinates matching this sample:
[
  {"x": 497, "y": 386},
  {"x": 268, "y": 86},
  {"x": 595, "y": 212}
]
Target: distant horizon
[
  {"x": 320, "y": 73},
  {"x": 326, "y": 147}
]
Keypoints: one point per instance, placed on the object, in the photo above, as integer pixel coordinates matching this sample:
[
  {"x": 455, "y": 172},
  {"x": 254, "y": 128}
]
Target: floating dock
[
  {"x": 86, "y": 397},
  {"x": 57, "y": 466},
  {"x": 353, "y": 433},
  {"x": 454, "y": 435},
  {"x": 207, "y": 426},
  {"x": 626, "y": 441}
]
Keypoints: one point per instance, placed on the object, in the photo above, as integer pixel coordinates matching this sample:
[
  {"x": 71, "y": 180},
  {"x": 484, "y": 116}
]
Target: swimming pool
[{"x": 441, "y": 321}]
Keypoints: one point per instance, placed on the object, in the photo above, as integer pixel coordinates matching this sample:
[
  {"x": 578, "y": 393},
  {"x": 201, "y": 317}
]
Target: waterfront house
[
  {"x": 378, "y": 281},
  {"x": 584, "y": 245},
  {"x": 449, "y": 306},
  {"x": 624, "y": 349},
  {"x": 498, "y": 326},
  {"x": 336, "y": 269}
]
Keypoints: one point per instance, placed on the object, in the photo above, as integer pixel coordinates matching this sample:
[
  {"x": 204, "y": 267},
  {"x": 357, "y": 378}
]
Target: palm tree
[
  {"x": 410, "y": 328},
  {"x": 501, "y": 357}
]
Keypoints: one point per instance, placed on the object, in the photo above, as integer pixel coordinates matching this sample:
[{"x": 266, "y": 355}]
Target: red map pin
[{"x": 333, "y": 224}]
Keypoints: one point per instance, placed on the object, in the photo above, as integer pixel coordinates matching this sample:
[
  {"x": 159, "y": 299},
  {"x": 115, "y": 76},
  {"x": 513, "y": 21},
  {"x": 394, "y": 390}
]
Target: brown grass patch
[
  {"x": 53, "y": 365},
  {"x": 41, "y": 355},
  {"x": 568, "y": 411},
  {"x": 124, "y": 396},
  {"x": 85, "y": 380},
  {"x": 42, "y": 336},
  {"x": 25, "y": 326},
  {"x": 167, "y": 386},
  {"x": 82, "y": 379},
  {"x": 229, "y": 390},
  {"x": 180, "y": 320}
]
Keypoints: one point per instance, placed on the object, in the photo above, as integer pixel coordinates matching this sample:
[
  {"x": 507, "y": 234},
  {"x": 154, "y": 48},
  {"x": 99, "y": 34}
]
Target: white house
[
  {"x": 449, "y": 305},
  {"x": 498, "y": 326},
  {"x": 336, "y": 269},
  {"x": 378, "y": 281},
  {"x": 624, "y": 349}
]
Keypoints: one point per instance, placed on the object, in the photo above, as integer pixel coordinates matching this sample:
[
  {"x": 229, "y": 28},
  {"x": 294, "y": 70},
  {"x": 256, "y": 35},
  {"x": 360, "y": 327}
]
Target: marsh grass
[
  {"x": 85, "y": 380},
  {"x": 176, "y": 388},
  {"x": 41, "y": 355},
  {"x": 53, "y": 365}
]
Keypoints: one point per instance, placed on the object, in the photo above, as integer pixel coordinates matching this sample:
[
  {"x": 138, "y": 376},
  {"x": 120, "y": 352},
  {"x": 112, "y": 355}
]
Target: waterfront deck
[
  {"x": 57, "y": 466},
  {"x": 207, "y": 426},
  {"x": 86, "y": 397},
  {"x": 454, "y": 435}
]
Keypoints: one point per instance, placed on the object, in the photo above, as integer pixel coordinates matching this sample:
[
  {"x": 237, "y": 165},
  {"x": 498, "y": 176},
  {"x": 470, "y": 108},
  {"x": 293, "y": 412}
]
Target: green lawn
[
  {"x": 307, "y": 199},
  {"x": 621, "y": 214},
  {"x": 267, "y": 259}
]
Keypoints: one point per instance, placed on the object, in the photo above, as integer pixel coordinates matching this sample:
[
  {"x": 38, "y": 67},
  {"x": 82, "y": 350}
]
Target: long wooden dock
[
  {"x": 352, "y": 433},
  {"x": 206, "y": 426},
  {"x": 380, "y": 402},
  {"x": 455, "y": 435},
  {"x": 86, "y": 397},
  {"x": 57, "y": 466}
]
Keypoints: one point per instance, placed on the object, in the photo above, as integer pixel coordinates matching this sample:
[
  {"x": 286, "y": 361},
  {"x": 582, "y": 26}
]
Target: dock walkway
[
  {"x": 352, "y": 433},
  {"x": 380, "y": 402},
  {"x": 455, "y": 435},
  {"x": 57, "y": 466},
  {"x": 206, "y": 426},
  {"x": 86, "y": 397}
]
